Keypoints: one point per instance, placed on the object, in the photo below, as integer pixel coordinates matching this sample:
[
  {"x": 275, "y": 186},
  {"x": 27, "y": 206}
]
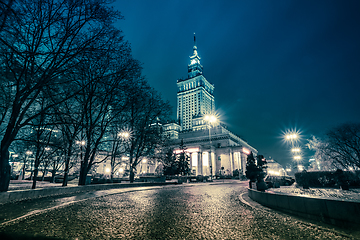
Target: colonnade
[{"x": 217, "y": 161}]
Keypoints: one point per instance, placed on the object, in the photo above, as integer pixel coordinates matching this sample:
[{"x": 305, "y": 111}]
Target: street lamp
[
  {"x": 295, "y": 150},
  {"x": 291, "y": 136},
  {"x": 124, "y": 134},
  {"x": 211, "y": 120},
  {"x": 28, "y": 153},
  {"x": 82, "y": 144}
]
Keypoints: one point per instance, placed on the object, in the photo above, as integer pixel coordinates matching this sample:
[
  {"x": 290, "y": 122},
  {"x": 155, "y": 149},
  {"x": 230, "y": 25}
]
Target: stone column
[
  {"x": 243, "y": 158},
  {"x": 231, "y": 158},
  {"x": 217, "y": 163},
  {"x": 211, "y": 162},
  {"x": 200, "y": 165},
  {"x": 190, "y": 162}
]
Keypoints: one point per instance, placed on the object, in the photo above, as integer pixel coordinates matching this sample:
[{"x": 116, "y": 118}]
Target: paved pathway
[{"x": 188, "y": 211}]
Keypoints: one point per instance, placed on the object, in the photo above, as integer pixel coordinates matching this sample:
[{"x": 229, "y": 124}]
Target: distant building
[
  {"x": 213, "y": 149},
  {"x": 274, "y": 168}
]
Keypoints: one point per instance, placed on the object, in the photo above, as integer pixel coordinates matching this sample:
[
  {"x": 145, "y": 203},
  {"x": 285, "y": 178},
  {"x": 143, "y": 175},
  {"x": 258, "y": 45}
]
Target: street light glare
[
  {"x": 80, "y": 142},
  {"x": 125, "y": 134},
  {"x": 210, "y": 118},
  {"x": 295, "y": 150},
  {"x": 292, "y": 136}
]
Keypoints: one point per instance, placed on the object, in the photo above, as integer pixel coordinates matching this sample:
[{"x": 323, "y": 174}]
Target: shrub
[{"x": 327, "y": 179}]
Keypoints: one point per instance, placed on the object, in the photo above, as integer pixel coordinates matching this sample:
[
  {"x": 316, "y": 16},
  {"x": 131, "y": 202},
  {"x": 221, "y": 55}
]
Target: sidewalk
[
  {"x": 20, "y": 190},
  {"x": 27, "y": 184}
]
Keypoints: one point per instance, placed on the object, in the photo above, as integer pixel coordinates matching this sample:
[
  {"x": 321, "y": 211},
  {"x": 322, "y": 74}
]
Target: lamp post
[
  {"x": 27, "y": 154},
  {"x": 210, "y": 120},
  {"x": 82, "y": 144},
  {"x": 124, "y": 135},
  {"x": 293, "y": 137}
]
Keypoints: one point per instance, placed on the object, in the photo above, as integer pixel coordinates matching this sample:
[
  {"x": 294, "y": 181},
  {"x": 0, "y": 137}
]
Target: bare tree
[
  {"x": 146, "y": 112},
  {"x": 343, "y": 144},
  {"x": 39, "y": 43},
  {"x": 103, "y": 79},
  {"x": 5, "y": 11},
  {"x": 43, "y": 137},
  {"x": 117, "y": 140},
  {"x": 340, "y": 146},
  {"x": 322, "y": 161}
]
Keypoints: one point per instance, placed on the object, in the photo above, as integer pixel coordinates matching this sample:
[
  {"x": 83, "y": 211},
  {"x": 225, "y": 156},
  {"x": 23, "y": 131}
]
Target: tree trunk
[
  {"x": 112, "y": 176},
  {"x": 23, "y": 172},
  {"x": 66, "y": 173},
  {"x": 53, "y": 171},
  {"x": 36, "y": 170},
  {"x": 44, "y": 172},
  {"x": 83, "y": 173},
  {"x": 132, "y": 175},
  {"x": 4, "y": 170}
]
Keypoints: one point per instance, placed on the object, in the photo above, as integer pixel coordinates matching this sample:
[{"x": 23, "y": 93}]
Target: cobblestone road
[{"x": 199, "y": 211}]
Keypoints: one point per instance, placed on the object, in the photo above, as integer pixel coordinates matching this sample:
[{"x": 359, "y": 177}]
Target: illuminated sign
[{"x": 246, "y": 151}]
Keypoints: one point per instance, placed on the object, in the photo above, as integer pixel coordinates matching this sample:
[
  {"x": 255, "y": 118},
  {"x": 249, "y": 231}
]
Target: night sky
[{"x": 276, "y": 65}]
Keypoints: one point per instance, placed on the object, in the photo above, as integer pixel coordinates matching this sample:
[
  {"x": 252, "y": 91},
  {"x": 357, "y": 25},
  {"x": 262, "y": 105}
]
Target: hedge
[{"x": 328, "y": 179}]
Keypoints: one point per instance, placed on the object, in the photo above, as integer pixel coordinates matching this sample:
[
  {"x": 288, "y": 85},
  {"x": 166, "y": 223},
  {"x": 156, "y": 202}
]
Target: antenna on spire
[{"x": 195, "y": 41}]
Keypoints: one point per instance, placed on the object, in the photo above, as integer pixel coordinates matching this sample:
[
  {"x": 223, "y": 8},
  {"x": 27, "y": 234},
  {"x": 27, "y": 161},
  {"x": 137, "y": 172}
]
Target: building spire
[
  {"x": 195, "y": 42},
  {"x": 194, "y": 68}
]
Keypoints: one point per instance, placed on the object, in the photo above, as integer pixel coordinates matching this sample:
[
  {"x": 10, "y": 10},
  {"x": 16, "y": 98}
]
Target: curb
[{"x": 333, "y": 211}]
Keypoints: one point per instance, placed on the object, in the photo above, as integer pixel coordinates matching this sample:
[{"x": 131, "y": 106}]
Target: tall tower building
[{"x": 195, "y": 96}]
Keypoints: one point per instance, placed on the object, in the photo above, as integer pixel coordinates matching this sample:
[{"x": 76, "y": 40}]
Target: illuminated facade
[
  {"x": 213, "y": 149},
  {"x": 195, "y": 94}
]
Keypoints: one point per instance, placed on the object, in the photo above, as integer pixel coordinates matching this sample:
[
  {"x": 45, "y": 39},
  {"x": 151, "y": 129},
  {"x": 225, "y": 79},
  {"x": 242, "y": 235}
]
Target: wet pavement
[{"x": 188, "y": 211}]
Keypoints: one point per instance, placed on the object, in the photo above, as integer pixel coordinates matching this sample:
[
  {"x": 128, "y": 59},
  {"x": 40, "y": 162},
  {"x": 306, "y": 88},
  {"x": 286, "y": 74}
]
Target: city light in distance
[
  {"x": 276, "y": 173},
  {"x": 189, "y": 150},
  {"x": 124, "y": 134},
  {"x": 210, "y": 118},
  {"x": 246, "y": 151},
  {"x": 297, "y": 157},
  {"x": 295, "y": 150},
  {"x": 82, "y": 143},
  {"x": 292, "y": 136}
]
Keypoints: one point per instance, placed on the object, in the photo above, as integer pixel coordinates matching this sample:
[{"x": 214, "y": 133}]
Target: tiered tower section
[{"x": 195, "y": 94}]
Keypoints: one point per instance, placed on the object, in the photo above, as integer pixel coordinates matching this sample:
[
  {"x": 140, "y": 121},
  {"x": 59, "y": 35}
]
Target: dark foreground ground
[{"x": 188, "y": 211}]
